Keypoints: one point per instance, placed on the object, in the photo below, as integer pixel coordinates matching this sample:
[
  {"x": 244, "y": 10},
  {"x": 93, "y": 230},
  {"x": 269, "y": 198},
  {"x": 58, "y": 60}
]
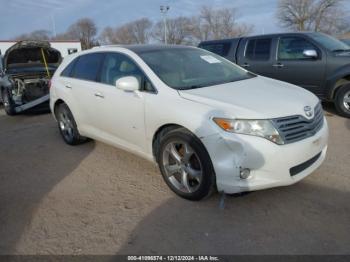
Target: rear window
[
  {"x": 87, "y": 67},
  {"x": 258, "y": 49},
  {"x": 221, "y": 49},
  {"x": 67, "y": 72}
]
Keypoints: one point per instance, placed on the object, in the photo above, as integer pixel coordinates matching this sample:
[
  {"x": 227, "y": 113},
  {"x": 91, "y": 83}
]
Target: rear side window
[
  {"x": 87, "y": 67},
  {"x": 221, "y": 49},
  {"x": 259, "y": 49},
  {"x": 67, "y": 72}
]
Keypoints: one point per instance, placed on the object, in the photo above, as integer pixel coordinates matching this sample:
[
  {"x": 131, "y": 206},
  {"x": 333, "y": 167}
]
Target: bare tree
[
  {"x": 199, "y": 31},
  {"x": 35, "y": 35},
  {"x": 135, "y": 32},
  {"x": 178, "y": 31},
  {"x": 312, "y": 15},
  {"x": 140, "y": 30},
  {"x": 218, "y": 24},
  {"x": 107, "y": 36},
  {"x": 85, "y": 30}
]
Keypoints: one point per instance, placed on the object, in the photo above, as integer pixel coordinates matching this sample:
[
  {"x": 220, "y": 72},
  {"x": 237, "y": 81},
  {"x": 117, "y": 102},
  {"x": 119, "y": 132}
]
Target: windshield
[
  {"x": 189, "y": 68},
  {"x": 330, "y": 43},
  {"x": 346, "y": 41}
]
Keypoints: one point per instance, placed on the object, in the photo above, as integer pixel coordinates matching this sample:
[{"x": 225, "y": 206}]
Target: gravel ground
[{"x": 96, "y": 199}]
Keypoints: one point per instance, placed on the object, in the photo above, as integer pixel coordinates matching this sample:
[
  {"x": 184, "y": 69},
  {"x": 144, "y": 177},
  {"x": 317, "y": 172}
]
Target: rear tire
[
  {"x": 67, "y": 126},
  {"x": 9, "y": 106},
  {"x": 342, "y": 101},
  {"x": 188, "y": 171}
]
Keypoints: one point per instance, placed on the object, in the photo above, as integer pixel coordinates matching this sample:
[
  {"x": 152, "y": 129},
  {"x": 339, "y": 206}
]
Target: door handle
[
  {"x": 99, "y": 95},
  {"x": 245, "y": 65},
  {"x": 278, "y": 65},
  {"x": 69, "y": 86}
]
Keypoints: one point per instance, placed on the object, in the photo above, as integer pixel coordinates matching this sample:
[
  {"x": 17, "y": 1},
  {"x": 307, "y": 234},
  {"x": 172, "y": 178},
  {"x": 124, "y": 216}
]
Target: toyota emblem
[{"x": 308, "y": 111}]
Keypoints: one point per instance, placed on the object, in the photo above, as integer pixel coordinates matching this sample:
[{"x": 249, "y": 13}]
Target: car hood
[
  {"x": 255, "y": 98},
  {"x": 29, "y": 53}
]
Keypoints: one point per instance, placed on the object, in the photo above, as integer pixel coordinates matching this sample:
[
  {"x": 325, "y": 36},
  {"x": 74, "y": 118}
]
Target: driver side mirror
[
  {"x": 310, "y": 53},
  {"x": 128, "y": 84}
]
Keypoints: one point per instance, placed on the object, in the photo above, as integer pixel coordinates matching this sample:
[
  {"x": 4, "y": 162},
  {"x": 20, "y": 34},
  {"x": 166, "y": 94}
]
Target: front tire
[
  {"x": 185, "y": 165},
  {"x": 9, "y": 106},
  {"x": 67, "y": 126},
  {"x": 342, "y": 101}
]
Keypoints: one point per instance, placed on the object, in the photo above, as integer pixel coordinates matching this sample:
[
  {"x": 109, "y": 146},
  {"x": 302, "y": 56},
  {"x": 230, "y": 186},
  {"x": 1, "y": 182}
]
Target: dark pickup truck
[{"x": 314, "y": 61}]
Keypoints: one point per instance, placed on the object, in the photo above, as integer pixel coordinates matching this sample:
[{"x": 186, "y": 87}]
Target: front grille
[
  {"x": 296, "y": 128},
  {"x": 300, "y": 168}
]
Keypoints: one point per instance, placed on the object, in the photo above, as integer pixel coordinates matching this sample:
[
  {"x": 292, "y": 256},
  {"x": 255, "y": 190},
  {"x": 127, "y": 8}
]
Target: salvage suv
[
  {"x": 207, "y": 122},
  {"x": 24, "y": 79}
]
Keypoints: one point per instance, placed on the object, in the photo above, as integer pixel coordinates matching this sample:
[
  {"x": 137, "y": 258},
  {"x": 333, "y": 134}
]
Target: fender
[
  {"x": 340, "y": 73},
  {"x": 5, "y": 83}
]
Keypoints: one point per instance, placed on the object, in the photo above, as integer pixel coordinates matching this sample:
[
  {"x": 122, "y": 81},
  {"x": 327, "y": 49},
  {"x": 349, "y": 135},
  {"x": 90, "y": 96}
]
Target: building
[{"x": 65, "y": 47}]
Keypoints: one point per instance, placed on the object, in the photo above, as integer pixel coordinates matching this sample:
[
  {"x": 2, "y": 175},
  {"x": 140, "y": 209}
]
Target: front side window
[
  {"x": 88, "y": 66},
  {"x": 259, "y": 49},
  {"x": 116, "y": 66},
  {"x": 292, "y": 48},
  {"x": 189, "y": 68}
]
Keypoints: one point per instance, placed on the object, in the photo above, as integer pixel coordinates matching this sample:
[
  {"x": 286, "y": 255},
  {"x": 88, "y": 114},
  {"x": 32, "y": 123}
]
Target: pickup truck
[{"x": 314, "y": 61}]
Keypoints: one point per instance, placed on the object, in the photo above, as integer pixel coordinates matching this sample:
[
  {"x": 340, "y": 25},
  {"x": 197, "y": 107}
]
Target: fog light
[{"x": 244, "y": 173}]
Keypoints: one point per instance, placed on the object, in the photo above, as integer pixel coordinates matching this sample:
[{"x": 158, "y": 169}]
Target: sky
[{"x": 23, "y": 16}]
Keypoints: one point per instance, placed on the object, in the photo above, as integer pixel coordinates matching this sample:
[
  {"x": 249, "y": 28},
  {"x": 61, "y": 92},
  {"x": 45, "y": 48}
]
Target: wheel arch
[
  {"x": 166, "y": 128},
  {"x": 338, "y": 84},
  {"x": 3, "y": 88},
  {"x": 160, "y": 132},
  {"x": 56, "y": 104},
  {"x": 336, "y": 80}
]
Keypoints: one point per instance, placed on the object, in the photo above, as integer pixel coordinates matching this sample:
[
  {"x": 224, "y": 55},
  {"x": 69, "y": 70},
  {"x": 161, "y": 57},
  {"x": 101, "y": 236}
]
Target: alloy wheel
[
  {"x": 66, "y": 125},
  {"x": 182, "y": 166},
  {"x": 346, "y": 100}
]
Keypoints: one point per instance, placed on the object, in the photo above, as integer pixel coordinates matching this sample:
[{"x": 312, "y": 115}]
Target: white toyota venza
[{"x": 206, "y": 122}]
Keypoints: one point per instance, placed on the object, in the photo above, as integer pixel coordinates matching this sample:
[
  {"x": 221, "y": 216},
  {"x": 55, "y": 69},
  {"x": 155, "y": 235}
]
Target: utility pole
[
  {"x": 53, "y": 25},
  {"x": 164, "y": 10}
]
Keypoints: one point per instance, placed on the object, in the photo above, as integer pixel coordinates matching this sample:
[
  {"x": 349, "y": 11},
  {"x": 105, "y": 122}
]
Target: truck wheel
[
  {"x": 67, "y": 126},
  {"x": 9, "y": 106},
  {"x": 342, "y": 101},
  {"x": 186, "y": 165}
]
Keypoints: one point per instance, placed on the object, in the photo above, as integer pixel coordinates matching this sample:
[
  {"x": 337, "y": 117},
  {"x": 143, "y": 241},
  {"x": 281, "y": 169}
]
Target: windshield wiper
[
  {"x": 193, "y": 87},
  {"x": 190, "y": 87}
]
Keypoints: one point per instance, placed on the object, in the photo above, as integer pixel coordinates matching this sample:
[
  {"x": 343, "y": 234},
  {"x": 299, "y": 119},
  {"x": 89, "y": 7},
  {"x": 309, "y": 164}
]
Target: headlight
[{"x": 262, "y": 128}]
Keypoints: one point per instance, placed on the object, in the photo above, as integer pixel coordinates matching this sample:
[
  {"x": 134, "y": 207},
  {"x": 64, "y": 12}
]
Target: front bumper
[{"x": 270, "y": 164}]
